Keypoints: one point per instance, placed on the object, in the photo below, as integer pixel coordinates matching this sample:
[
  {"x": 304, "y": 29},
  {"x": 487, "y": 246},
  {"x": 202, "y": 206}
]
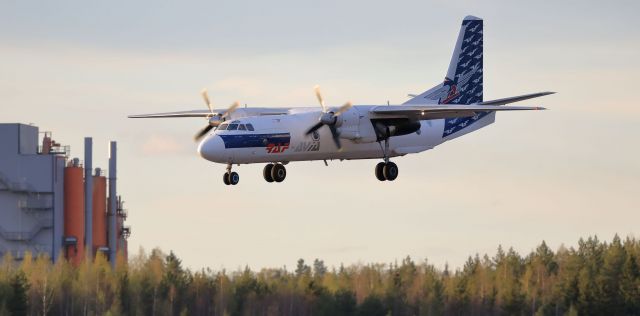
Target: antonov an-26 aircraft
[{"x": 277, "y": 136}]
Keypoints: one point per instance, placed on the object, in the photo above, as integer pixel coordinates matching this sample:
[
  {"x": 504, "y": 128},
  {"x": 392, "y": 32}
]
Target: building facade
[{"x": 39, "y": 212}]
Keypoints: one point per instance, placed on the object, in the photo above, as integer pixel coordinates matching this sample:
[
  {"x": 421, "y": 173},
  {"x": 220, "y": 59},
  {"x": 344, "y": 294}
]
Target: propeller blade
[
  {"x": 202, "y": 132},
  {"x": 343, "y": 108},
  {"x": 205, "y": 96},
  {"x": 336, "y": 136},
  {"x": 319, "y": 96},
  {"x": 230, "y": 110},
  {"x": 314, "y": 128}
]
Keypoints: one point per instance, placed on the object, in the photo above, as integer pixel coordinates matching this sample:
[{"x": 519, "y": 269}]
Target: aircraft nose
[{"x": 212, "y": 148}]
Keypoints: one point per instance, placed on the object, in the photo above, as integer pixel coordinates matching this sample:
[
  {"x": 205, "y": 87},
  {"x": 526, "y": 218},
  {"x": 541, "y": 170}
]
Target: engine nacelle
[
  {"x": 385, "y": 128},
  {"x": 357, "y": 127},
  {"x": 350, "y": 134},
  {"x": 347, "y": 124}
]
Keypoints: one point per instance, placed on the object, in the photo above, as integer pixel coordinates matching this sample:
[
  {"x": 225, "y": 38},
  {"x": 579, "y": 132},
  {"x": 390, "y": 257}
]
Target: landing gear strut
[
  {"x": 274, "y": 172},
  {"x": 229, "y": 177},
  {"x": 386, "y": 170}
]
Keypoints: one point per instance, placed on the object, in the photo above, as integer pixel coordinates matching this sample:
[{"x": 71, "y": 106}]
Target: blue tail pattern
[{"x": 463, "y": 84}]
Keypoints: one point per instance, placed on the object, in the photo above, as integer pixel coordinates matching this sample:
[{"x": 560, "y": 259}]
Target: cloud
[
  {"x": 163, "y": 145},
  {"x": 242, "y": 86}
]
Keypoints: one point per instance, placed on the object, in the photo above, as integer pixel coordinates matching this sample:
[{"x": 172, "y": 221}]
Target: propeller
[
  {"x": 329, "y": 118},
  {"x": 213, "y": 118}
]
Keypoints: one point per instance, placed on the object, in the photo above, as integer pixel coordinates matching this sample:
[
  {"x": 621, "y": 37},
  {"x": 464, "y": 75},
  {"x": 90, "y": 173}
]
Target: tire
[
  {"x": 225, "y": 178},
  {"x": 234, "y": 178},
  {"x": 380, "y": 171},
  {"x": 278, "y": 173},
  {"x": 390, "y": 171},
  {"x": 266, "y": 172}
]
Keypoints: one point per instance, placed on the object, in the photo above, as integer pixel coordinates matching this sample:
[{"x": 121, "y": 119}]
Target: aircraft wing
[
  {"x": 194, "y": 113},
  {"x": 205, "y": 113},
  {"x": 433, "y": 112}
]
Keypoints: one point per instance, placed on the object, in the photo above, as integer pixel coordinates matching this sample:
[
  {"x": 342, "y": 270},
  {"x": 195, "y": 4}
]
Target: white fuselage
[{"x": 282, "y": 138}]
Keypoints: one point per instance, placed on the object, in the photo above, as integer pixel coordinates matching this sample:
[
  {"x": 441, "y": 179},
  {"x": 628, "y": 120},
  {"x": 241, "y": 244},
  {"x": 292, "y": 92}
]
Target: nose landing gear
[{"x": 274, "y": 172}]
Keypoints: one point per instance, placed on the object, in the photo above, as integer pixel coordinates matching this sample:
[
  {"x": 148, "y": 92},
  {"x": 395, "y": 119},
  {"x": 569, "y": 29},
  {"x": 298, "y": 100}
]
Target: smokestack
[
  {"x": 88, "y": 196},
  {"x": 113, "y": 204}
]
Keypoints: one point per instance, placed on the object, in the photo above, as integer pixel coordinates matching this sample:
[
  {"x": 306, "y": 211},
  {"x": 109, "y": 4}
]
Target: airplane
[{"x": 278, "y": 136}]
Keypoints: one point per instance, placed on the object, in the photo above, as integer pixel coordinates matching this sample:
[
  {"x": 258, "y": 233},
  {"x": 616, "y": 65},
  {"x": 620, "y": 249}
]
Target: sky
[{"x": 78, "y": 68}]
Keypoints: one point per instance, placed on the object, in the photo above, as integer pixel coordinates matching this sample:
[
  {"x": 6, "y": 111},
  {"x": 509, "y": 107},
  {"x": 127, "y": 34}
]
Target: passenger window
[
  {"x": 232, "y": 127},
  {"x": 222, "y": 127},
  {"x": 241, "y": 127},
  {"x": 250, "y": 127}
]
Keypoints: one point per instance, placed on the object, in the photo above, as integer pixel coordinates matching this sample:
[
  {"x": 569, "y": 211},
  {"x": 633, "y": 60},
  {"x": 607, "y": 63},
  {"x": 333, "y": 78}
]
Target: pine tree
[
  {"x": 371, "y": 306},
  {"x": 630, "y": 286},
  {"x": 510, "y": 296},
  {"x": 125, "y": 294},
  {"x": 18, "y": 302},
  {"x": 302, "y": 268},
  {"x": 174, "y": 283},
  {"x": 540, "y": 268},
  {"x": 590, "y": 253},
  {"x": 319, "y": 269},
  {"x": 609, "y": 278},
  {"x": 345, "y": 302}
]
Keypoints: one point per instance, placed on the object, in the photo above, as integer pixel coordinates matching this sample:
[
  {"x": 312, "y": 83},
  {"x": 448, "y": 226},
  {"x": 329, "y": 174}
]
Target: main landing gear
[
  {"x": 274, "y": 172},
  {"x": 229, "y": 177},
  {"x": 386, "y": 170}
]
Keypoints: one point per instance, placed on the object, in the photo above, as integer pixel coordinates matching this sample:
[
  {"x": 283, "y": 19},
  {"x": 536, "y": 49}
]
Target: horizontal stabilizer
[{"x": 515, "y": 99}]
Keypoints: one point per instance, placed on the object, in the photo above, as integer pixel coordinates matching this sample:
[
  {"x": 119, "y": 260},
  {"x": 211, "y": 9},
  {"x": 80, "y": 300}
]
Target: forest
[{"x": 592, "y": 278}]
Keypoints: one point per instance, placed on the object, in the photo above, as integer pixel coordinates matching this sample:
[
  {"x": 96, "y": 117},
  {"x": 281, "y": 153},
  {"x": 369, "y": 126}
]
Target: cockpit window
[{"x": 235, "y": 127}]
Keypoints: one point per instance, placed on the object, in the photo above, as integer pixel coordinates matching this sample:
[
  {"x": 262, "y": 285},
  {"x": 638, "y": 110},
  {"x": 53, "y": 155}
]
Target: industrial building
[{"x": 50, "y": 204}]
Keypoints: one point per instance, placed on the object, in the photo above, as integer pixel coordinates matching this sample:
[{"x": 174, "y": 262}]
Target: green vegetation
[{"x": 596, "y": 278}]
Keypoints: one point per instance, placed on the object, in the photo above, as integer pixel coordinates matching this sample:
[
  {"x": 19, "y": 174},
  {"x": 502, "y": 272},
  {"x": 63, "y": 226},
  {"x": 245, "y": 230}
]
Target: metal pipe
[
  {"x": 88, "y": 197},
  {"x": 113, "y": 234}
]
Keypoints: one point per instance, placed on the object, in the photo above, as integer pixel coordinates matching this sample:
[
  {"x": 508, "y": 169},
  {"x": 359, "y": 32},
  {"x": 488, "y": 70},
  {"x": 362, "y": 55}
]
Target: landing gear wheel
[
  {"x": 234, "y": 178},
  {"x": 379, "y": 171},
  {"x": 390, "y": 171},
  {"x": 225, "y": 178},
  {"x": 266, "y": 172},
  {"x": 278, "y": 173}
]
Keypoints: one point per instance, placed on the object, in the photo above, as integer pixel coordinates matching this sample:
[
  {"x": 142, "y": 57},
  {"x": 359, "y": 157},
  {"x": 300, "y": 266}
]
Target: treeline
[{"x": 596, "y": 278}]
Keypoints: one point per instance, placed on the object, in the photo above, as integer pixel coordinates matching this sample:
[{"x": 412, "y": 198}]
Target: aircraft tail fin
[{"x": 463, "y": 82}]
